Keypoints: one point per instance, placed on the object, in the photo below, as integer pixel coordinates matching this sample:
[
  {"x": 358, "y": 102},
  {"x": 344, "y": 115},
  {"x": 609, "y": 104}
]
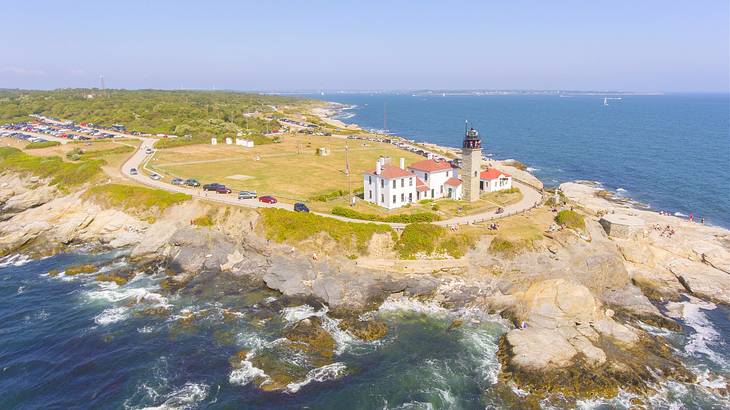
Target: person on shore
[
  {"x": 691, "y": 217},
  {"x": 702, "y": 220}
]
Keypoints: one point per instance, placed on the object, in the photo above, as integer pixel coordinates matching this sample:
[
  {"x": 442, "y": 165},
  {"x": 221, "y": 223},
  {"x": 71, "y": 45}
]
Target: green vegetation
[
  {"x": 336, "y": 194},
  {"x": 197, "y": 114},
  {"x": 62, "y": 174},
  {"x": 135, "y": 197},
  {"x": 519, "y": 165},
  {"x": 570, "y": 219},
  {"x": 41, "y": 144},
  {"x": 400, "y": 218},
  {"x": 122, "y": 149},
  {"x": 424, "y": 238},
  {"x": 204, "y": 220},
  {"x": 291, "y": 227},
  {"x": 505, "y": 246}
]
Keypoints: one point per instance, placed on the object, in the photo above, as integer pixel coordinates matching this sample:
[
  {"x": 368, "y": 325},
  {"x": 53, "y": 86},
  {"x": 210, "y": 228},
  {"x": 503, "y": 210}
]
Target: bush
[
  {"x": 570, "y": 219},
  {"x": 457, "y": 245},
  {"x": 42, "y": 144},
  {"x": 135, "y": 197},
  {"x": 419, "y": 238},
  {"x": 285, "y": 226},
  {"x": 60, "y": 173},
  {"x": 204, "y": 220},
  {"x": 402, "y": 218}
]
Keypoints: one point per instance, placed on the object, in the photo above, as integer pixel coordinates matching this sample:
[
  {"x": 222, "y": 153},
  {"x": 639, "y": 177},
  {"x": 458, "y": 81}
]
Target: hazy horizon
[{"x": 652, "y": 46}]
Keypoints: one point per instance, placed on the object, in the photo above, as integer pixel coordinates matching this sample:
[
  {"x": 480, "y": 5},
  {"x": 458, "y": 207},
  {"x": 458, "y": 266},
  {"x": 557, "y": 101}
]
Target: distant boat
[{"x": 605, "y": 99}]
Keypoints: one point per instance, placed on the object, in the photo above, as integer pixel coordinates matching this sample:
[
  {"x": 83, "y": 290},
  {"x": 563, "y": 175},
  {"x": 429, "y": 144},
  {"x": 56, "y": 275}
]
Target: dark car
[
  {"x": 246, "y": 195},
  {"x": 176, "y": 181},
  {"x": 268, "y": 199},
  {"x": 300, "y": 207},
  {"x": 191, "y": 182},
  {"x": 223, "y": 190},
  {"x": 133, "y": 171},
  {"x": 212, "y": 187}
]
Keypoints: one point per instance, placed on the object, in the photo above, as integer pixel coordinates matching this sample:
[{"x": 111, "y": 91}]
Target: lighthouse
[{"x": 471, "y": 159}]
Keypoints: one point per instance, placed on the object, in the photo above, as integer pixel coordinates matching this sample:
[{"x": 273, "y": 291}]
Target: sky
[{"x": 637, "y": 45}]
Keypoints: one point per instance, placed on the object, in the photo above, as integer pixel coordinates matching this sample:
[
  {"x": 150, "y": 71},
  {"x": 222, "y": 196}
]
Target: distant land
[{"x": 475, "y": 92}]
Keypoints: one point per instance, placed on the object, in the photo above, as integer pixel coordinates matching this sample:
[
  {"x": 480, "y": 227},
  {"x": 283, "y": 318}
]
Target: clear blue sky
[{"x": 297, "y": 45}]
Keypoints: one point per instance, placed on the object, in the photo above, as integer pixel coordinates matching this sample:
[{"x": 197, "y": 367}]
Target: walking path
[{"x": 530, "y": 196}]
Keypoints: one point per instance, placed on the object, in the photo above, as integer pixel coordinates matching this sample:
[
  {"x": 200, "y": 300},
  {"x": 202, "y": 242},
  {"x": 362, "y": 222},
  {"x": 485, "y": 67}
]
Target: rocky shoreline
[{"x": 577, "y": 299}]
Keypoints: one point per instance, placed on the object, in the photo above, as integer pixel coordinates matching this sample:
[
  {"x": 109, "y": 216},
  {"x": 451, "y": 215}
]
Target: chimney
[
  {"x": 402, "y": 163},
  {"x": 378, "y": 168}
]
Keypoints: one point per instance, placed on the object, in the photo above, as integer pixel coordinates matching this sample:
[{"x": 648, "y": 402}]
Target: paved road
[{"x": 530, "y": 196}]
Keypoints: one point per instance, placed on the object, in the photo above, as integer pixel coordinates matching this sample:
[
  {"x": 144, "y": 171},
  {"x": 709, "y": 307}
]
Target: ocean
[
  {"x": 669, "y": 152},
  {"x": 71, "y": 342}
]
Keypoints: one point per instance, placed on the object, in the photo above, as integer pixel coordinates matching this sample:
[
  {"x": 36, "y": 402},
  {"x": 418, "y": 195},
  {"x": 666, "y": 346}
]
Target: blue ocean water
[{"x": 671, "y": 152}]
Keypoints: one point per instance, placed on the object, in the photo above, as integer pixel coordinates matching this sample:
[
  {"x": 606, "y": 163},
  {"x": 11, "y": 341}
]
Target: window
[
  {"x": 475, "y": 174},
  {"x": 394, "y": 199},
  {"x": 370, "y": 194},
  {"x": 410, "y": 181},
  {"x": 432, "y": 193},
  {"x": 425, "y": 177},
  {"x": 370, "y": 179},
  {"x": 402, "y": 182},
  {"x": 442, "y": 189},
  {"x": 382, "y": 198},
  {"x": 394, "y": 183},
  {"x": 410, "y": 197},
  {"x": 402, "y": 197},
  {"x": 382, "y": 183}
]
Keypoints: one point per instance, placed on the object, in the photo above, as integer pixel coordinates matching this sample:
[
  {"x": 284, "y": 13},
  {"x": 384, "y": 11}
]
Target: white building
[
  {"x": 493, "y": 180},
  {"x": 392, "y": 187}
]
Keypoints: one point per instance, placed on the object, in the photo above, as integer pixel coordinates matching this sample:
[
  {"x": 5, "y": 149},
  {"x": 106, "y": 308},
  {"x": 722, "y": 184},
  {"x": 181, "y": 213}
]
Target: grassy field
[
  {"x": 62, "y": 174},
  {"x": 141, "y": 201},
  {"x": 289, "y": 170}
]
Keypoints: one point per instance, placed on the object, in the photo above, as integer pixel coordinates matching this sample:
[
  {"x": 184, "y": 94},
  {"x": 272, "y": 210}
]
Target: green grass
[
  {"x": 400, "y": 218},
  {"x": 570, "y": 219},
  {"x": 130, "y": 197},
  {"x": 292, "y": 227},
  {"x": 122, "y": 149},
  {"x": 62, "y": 174},
  {"x": 419, "y": 238},
  {"x": 41, "y": 144},
  {"x": 504, "y": 246}
]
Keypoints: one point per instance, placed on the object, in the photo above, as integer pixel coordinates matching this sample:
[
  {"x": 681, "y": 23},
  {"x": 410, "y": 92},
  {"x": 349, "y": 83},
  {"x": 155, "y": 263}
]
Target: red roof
[
  {"x": 430, "y": 165},
  {"x": 420, "y": 185},
  {"x": 453, "y": 182},
  {"x": 390, "y": 171},
  {"x": 492, "y": 173}
]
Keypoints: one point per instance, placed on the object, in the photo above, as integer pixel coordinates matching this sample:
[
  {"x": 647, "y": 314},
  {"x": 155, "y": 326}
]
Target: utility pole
[{"x": 347, "y": 172}]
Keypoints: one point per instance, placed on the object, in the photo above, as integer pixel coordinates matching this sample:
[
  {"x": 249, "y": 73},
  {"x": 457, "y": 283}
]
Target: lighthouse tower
[{"x": 471, "y": 159}]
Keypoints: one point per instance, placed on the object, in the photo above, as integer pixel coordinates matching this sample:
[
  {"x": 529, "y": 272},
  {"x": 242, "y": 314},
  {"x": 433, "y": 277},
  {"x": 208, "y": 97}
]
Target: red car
[
  {"x": 222, "y": 190},
  {"x": 268, "y": 199}
]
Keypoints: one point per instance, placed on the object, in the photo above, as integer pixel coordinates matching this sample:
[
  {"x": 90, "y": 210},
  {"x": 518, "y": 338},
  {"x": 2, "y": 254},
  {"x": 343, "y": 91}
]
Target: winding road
[{"x": 138, "y": 160}]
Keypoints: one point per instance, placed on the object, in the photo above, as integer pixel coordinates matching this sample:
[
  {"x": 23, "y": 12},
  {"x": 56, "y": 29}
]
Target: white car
[{"x": 155, "y": 176}]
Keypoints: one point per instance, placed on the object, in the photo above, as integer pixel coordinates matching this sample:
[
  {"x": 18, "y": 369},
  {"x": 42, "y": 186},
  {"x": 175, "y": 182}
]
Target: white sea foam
[
  {"x": 185, "y": 397},
  {"x": 112, "y": 292},
  {"x": 20, "y": 290},
  {"x": 111, "y": 315},
  {"x": 531, "y": 169},
  {"x": 396, "y": 304},
  {"x": 297, "y": 313},
  {"x": 483, "y": 346},
  {"x": 329, "y": 372},
  {"x": 16, "y": 259},
  {"x": 246, "y": 373},
  {"x": 621, "y": 190},
  {"x": 680, "y": 214},
  {"x": 705, "y": 334}
]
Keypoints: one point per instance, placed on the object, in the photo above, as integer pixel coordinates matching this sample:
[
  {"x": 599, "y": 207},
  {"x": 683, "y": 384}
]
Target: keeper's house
[{"x": 392, "y": 187}]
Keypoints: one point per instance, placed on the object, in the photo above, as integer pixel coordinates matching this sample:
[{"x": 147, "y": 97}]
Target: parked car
[
  {"x": 268, "y": 199},
  {"x": 155, "y": 176},
  {"x": 247, "y": 195},
  {"x": 223, "y": 190},
  {"x": 192, "y": 182},
  {"x": 212, "y": 187},
  {"x": 300, "y": 207},
  {"x": 133, "y": 171},
  {"x": 176, "y": 181}
]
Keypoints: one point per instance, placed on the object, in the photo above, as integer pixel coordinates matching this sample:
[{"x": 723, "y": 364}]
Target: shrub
[
  {"x": 135, "y": 197},
  {"x": 60, "y": 173},
  {"x": 570, "y": 219},
  {"x": 457, "y": 245},
  {"x": 402, "y": 218},
  {"x": 204, "y": 220},
  {"x": 42, "y": 144},
  {"x": 503, "y": 246},
  {"x": 419, "y": 238},
  {"x": 285, "y": 226}
]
